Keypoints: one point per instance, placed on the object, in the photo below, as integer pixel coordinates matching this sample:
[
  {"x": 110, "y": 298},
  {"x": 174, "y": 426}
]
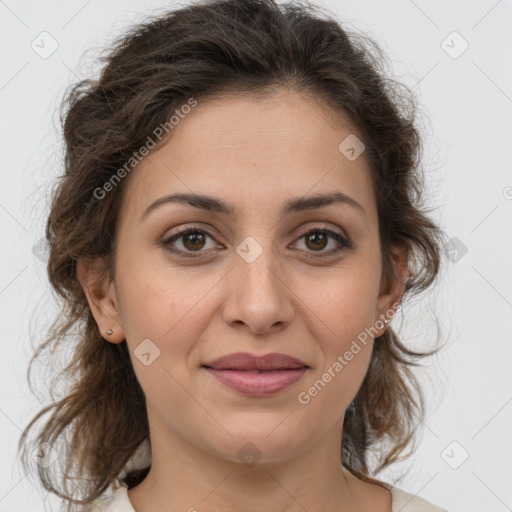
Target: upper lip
[{"x": 245, "y": 361}]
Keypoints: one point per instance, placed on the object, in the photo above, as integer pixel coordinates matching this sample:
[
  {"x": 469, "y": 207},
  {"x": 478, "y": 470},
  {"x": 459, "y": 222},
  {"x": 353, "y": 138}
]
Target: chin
[{"x": 260, "y": 445}]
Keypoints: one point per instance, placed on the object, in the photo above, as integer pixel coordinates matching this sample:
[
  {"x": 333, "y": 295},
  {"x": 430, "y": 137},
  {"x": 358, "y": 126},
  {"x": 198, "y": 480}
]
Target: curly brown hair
[{"x": 203, "y": 50}]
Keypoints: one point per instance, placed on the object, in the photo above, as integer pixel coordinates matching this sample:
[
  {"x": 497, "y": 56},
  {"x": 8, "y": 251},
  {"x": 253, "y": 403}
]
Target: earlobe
[{"x": 99, "y": 291}]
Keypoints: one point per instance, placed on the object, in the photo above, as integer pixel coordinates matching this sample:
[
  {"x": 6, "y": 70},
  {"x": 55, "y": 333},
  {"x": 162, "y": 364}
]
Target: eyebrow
[{"x": 213, "y": 204}]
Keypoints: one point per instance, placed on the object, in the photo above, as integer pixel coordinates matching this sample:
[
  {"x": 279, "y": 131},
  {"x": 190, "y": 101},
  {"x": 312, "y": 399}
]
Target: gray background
[{"x": 467, "y": 99}]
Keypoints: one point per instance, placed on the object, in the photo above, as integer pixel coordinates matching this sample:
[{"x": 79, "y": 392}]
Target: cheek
[
  {"x": 346, "y": 347},
  {"x": 340, "y": 315},
  {"x": 342, "y": 305},
  {"x": 172, "y": 310},
  {"x": 157, "y": 298},
  {"x": 161, "y": 313}
]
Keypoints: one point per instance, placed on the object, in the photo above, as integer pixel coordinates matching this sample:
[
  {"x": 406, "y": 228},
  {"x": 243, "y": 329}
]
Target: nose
[{"x": 258, "y": 295}]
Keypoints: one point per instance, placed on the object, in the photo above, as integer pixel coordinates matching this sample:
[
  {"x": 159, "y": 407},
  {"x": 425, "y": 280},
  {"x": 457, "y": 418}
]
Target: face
[{"x": 303, "y": 281}]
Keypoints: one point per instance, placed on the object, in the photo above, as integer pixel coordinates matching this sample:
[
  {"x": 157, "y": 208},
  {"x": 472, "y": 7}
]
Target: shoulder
[
  {"x": 116, "y": 502},
  {"x": 402, "y": 502},
  {"x": 407, "y": 502}
]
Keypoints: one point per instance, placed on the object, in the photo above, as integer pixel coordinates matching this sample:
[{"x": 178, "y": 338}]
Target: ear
[
  {"x": 100, "y": 293},
  {"x": 391, "y": 290}
]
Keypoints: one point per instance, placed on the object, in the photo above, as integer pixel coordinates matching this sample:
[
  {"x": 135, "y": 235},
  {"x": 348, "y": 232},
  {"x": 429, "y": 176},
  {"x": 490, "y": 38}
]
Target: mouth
[
  {"x": 257, "y": 375},
  {"x": 248, "y": 362}
]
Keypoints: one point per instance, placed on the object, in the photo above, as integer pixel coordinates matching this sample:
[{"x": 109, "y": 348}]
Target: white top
[{"x": 401, "y": 502}]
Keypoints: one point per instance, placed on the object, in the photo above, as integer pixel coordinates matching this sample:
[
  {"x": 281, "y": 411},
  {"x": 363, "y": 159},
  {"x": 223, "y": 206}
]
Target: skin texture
[{"x": 254, "y": 153}]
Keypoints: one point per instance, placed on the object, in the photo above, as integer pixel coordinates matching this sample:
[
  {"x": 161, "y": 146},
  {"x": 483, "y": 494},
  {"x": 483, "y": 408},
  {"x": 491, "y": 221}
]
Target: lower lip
[{"x": 258, "y": 383}]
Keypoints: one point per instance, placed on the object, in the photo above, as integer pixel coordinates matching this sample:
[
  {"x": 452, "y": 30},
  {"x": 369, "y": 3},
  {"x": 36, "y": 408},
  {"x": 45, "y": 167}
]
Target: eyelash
[{"x": 344, "y": 243}]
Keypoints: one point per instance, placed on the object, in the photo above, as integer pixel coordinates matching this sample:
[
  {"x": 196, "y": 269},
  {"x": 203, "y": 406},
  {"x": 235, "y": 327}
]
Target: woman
[{"x": 238, "y": 223}]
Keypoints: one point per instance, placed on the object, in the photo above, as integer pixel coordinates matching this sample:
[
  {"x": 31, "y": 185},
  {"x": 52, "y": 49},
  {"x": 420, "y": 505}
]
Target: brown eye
[
  {"x": 316, "y": 240},
  {"x": 192, "y": 240}
]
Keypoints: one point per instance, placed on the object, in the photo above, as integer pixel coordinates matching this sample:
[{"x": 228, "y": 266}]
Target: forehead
[{"x": 255, "y": 152}]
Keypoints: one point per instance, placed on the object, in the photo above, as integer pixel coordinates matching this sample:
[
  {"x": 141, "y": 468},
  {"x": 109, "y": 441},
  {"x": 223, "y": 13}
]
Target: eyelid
[{"x": 324, "y": 227}]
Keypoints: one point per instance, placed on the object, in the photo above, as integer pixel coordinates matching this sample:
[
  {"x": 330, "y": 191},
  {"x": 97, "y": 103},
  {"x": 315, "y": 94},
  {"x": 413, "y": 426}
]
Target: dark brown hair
[{"x": 204, "y": 50}]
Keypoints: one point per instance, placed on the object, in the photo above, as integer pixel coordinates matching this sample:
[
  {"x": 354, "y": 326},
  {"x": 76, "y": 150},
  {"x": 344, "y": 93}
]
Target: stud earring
[{"x": 110, "y": 331}]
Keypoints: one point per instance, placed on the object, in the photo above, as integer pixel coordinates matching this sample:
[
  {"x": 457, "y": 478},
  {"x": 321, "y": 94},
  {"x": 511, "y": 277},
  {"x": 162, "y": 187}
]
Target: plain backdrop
[{"x": 456, "y": 57}]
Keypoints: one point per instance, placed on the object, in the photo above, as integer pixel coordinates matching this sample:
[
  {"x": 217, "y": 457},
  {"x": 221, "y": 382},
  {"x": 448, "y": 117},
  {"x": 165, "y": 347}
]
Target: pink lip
[
  {"x": 257, "y": 375},
  {"x": 257, "y": 382},
  {"x": 246, "y": 361}
]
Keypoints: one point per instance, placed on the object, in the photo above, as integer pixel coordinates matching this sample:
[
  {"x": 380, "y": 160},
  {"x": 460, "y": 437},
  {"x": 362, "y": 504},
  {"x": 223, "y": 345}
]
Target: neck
[{"x": 184, "y": 477}]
